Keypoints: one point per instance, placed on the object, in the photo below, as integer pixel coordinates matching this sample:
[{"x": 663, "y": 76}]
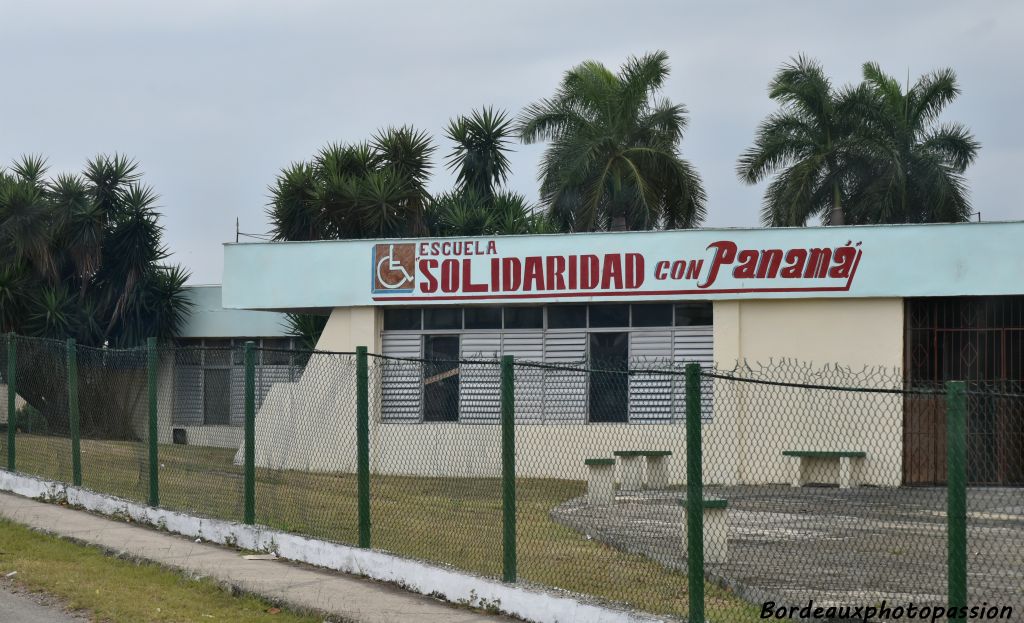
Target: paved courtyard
[{"x": 841, "y": 547}]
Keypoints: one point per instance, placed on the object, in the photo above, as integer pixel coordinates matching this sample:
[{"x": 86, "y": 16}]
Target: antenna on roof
[{"x": 262, "y": 237}]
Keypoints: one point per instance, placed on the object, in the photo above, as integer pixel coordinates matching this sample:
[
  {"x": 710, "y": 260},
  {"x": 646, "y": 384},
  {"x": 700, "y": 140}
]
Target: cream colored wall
[
  {"x": 542, "y": 450},
  {"x": 19, "y": 402},
  {"x": 850, "y": 332},
  {"x": 763, "y": 421},
  {"x": 164, "y": 401},
  {"x": 310, "y": 424},
  {"x": 349, "y": 327},
  {"x": 303, "y": 428},
  {"x": 212, "y": 436},
  {"x": 295, "y": 419}
]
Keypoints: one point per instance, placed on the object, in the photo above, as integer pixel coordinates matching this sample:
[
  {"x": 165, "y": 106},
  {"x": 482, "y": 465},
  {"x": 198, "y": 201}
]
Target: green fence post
[
  {"x": 694, "y": 496},
  {"x": 508, "y": 469},
  {"x": 12, "y": 392},
  {"x": 250, "y": 433},
  {"x": 154, "y": 465},
  {"x": 73, "y": 424},
  {"x": 956, "y": 498},
  {"x": 363, "y": 444}
]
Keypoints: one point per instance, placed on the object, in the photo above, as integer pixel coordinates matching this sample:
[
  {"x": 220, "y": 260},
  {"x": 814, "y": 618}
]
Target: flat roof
[{"x": 210, "y": 319}]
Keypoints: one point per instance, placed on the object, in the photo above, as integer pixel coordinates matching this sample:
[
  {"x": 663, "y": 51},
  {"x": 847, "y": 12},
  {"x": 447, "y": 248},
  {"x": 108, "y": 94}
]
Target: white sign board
[{"x": 883, "y": 261}]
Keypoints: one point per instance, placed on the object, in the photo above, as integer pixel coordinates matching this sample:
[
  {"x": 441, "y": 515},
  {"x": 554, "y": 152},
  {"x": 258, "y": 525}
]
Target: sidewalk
[
  {"x": 302, "y": 588},
  {"x": 19, "y": 607}
]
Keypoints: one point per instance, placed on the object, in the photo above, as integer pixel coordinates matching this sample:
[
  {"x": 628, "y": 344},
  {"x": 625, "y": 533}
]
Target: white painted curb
[{"x": 461, "y": 588}]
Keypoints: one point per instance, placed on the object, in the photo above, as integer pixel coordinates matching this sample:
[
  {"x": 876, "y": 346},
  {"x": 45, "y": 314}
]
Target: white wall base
[{"x": 531, "y": 604}]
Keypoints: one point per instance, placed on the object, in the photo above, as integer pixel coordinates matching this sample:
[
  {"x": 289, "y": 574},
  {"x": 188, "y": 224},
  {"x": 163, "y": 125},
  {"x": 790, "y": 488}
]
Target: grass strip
[
  {"x": 451, "y": 521},
  {"x": 122, "y": 591}
]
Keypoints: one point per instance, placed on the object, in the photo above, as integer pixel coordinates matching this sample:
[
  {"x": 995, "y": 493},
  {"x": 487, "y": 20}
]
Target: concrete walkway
[
  {"x": 297, "y": 587},
  {"x": 20, "y": 607},
  {"x": 835, "y": 546}
]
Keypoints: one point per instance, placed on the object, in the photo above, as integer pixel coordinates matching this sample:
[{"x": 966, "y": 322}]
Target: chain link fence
[
  {"x": 693, "y": 494},
  {"x": 41, "y": 407}
]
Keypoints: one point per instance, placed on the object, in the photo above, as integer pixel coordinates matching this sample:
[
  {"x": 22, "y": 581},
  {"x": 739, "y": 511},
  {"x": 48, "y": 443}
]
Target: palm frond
[
  {"x": 954, "y": 144},
  {"x": 291, "y": 210},
  {"x": 930, "y": 94},
  {"x": 406, "y": 150},
  {"x": 802, "y": 84},
  {"x": 26, "y": 225},
  {"x": 640, "y": 77},
  {"x": 30, "y": 168},
  {"x": 82, "y": 223},
  {"x": 782, "y": 139}
]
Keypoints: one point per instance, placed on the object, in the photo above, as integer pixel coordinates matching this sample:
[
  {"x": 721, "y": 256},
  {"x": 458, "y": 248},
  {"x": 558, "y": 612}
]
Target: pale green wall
[{"x": 210, "y": 319}]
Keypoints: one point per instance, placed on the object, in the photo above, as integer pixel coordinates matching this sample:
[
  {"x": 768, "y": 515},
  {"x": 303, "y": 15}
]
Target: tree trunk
[
  {"x": 836, "y": 217},
  {"x": 111, "y": 390}
]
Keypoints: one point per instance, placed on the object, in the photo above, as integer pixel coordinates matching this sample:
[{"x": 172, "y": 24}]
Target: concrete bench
[
  {"x": 843, "y": 458},
  {"x": 633, "y": 472},
  {"x": 716, "y": 529},
  {"x": 600, "y": 481}
]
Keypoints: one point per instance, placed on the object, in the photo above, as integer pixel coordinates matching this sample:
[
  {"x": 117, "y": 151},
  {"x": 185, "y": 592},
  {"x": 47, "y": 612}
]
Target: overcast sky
[{"x": 213, "y": 98}]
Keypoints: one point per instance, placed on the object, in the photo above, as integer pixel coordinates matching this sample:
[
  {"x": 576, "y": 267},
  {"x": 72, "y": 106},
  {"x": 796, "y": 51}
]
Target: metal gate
[{"x": 974, "y": 339}]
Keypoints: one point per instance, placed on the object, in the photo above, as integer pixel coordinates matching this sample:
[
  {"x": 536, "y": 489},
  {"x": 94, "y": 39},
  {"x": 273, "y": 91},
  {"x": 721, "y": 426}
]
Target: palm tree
[
  {"x": 613, "y": 161},
  {"x": 805, "y": 145},
  {"x": 469, "y": 214},
  {"x": 405, "y": 155},
  {"x": 82, "y": 256},
  {"x": 910, "y": 166},
  {"x": 478, "y": 206},
  {"x": 480, "y": 157},
  {"x": 458, "y": 213},
  {"x": 511, "y": 213},
  {"x": 374, "y": 189},
  {"x": 293, "y": 211}
]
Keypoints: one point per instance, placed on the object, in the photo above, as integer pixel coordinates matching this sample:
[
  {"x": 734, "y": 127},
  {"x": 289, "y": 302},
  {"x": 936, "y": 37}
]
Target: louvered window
[{"x": 647, "y": 337}]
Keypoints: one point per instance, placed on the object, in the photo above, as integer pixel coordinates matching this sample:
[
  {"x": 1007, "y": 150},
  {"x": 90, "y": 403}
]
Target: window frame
[
  {"x": 235, "y": 360},
  {"x": 227, "y": 397},
  {"x": 423, "y": 385},
  {"x": 544, "y": 330}
]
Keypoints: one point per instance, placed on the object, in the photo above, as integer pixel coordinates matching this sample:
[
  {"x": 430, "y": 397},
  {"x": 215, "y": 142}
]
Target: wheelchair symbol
[{"x": 392, "y": 266}]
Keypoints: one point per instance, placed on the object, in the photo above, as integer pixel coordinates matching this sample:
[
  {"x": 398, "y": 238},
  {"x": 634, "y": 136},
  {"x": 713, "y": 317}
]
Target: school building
[{"x": 929, "y": 302}]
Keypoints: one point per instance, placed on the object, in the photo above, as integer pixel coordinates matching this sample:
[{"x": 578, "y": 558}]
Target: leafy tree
[
  {"x": 806, "y": 145},
  {"x": 911, "y": 167},
  {"x": 613, "y": 161},
  {"x": 82, "y": 256}
]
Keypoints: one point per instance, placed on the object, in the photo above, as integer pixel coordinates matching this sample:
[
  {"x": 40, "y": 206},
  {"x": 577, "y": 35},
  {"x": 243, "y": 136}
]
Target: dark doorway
[
  {"x": 609, "y": 380},
  {"x": 217, "y": 396},
  {"x": 978, "y": 340},
  {"x": 441, "y": 378}
]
